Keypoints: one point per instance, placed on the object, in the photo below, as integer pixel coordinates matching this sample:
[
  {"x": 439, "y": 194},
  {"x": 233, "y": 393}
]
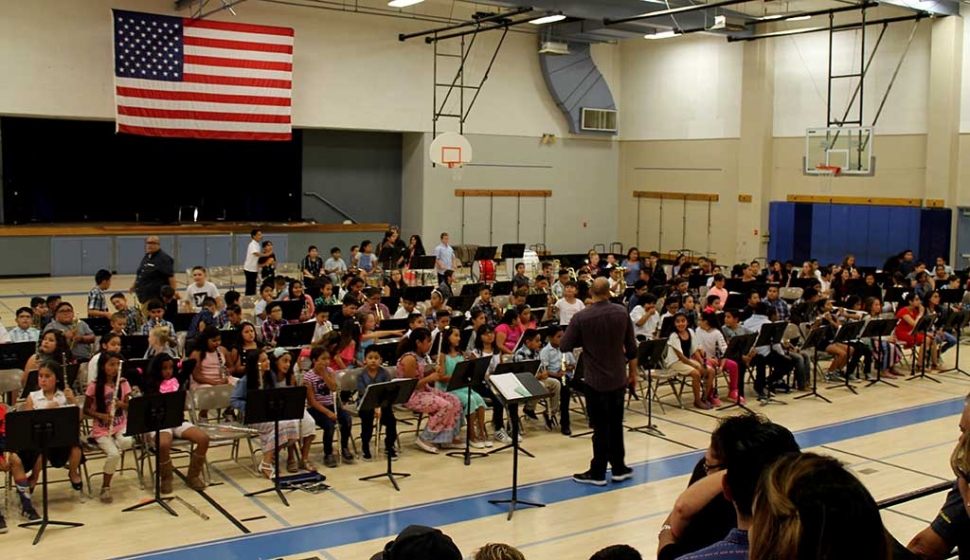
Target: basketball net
[
  {"x": 457, "y": 170},
  {"x": 826, "y": 174}
]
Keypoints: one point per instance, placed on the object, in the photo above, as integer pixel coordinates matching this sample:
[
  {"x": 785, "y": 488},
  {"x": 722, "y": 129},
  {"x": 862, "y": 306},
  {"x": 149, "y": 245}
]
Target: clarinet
[{"x": 114, "y": 400}]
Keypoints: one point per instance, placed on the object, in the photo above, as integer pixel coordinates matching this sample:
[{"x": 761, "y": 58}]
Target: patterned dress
[{"x": 442, "y": 409}]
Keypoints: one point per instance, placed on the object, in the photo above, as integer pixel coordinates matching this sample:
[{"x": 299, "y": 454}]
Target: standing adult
[
  {"x": 251, "y": 265},
  {"x": 605, "y": 333},
  {"x": 444, "y": 256},
  {"x": 157, "y": 269}
]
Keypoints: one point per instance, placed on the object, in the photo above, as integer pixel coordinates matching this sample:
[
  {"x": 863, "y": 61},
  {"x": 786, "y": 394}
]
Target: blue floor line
[
  {"x": 352, "y": 503},
  {"x": 255, "y": 499},
  {"x": 334, "y": 533}
]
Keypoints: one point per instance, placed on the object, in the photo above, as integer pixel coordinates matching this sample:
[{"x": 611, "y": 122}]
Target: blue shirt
[
  {"x": 444, "y": 254},
  {"x": 733, "y": 547}
]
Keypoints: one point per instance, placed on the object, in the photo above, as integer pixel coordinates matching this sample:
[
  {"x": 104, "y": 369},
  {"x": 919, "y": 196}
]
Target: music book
[{"x": 510, "y": 386}]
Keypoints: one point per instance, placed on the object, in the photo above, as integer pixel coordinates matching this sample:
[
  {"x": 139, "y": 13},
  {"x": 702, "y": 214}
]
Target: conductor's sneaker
[
  {"x": 588, "y": 478},
  {"x": 366, "y": 456},
  {"x": 3, "y": 525},
  {"x": 621, "y": 475},
  {"x": 566, "y": 431},
  {"x": 29, "y": 513},
  {"x": 392, "y": 453}
]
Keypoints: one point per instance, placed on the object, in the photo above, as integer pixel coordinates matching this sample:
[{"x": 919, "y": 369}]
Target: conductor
[{"x": 604, "y": 332}]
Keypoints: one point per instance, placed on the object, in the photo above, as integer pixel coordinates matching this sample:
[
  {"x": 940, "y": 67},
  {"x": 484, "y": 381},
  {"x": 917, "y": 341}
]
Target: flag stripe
[
  {"x": 195, "y": 124},
  {"x": 205, "y": 97},
  {"x": 152, "y": 85},
  {"x": 241, "y": 27},
  {"x": 202, "y": 106},
  {"x": 170, "y": 114},
  {"x": 230, "y": 54},
  {"x": 236, "y": 63},
  {"x": 237, "y": 72},
  {"x": 234, "y": 81},
  {"x": 204, "y": 134},
  {"x": 238, "y": 45},
  {"x": 236, "y": 36}
]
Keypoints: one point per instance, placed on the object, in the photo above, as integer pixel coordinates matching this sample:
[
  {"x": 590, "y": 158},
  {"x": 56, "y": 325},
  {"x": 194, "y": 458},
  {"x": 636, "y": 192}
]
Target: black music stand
[
  {"x": 42, "y": 430},
  {"x": 513, "y": 407},
  {"x": 423, "y": 265},
  {"x": 513, "y": 250},
  {"x": 848, "y": 332},
  {"x": 153, "y": 413},
  {"x": 955, "y": 323},
  {"x": 275, "y": 405},
  {"x": 381, "y": 395},
  {"x": 650, "y": 356},
  {"x": 878, "y": 328},
  {"x": 528, "y": 389},
  {"x": 770, "y": 335},
  {"x": 468, "y": 374},
  {"x": 740, "y": 346},
  {"x": 15, "y": 355},
  {"x": 134, "y": 346},
  {"x": 923, "y": 327},
  {"x": 296, "y": 335},
  {"x": 292, "y": 309},
  {"x": 815, "y": 337}
]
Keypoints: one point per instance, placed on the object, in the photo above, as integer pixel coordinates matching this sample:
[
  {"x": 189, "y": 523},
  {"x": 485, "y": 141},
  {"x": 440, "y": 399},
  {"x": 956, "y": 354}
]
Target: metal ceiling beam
[
  {"x": 805, "y": 30},
  {"x": 675, "y": 11},
  {"x": 853, "y": 8},
  {"x": 518, "y": 11},
  {"x": 502, "y": 25}
]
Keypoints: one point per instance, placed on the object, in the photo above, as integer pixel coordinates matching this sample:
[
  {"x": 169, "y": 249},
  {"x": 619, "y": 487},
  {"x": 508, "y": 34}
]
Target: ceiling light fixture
[
  {"x": 771, "y": 17},
  {"x": 403, "y": 3},
  {"x": 798, "y": 18},
  {"x": 552, "y": 18},
  {"x": 662, "y": 34}
]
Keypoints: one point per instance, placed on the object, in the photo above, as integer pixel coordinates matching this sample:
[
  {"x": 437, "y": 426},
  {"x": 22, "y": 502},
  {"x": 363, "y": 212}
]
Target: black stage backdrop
[{"x": 57, "y": 170}]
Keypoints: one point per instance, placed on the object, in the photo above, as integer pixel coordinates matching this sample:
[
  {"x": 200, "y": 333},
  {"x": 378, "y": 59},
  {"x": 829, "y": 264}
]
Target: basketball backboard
[{"x": 847, "y": 147}]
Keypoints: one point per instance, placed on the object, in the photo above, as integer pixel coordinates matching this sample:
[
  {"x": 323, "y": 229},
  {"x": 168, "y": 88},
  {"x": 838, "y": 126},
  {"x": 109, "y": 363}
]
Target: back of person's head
[
  {"x": 417, "y": 542},
  {"x": 809, "y": 507},
  {"x": 761, "y": 309},
  {"x": 617, "y": 552},
  {"x": 746, "y": 445},
  {"x": 497, "y": 551}
]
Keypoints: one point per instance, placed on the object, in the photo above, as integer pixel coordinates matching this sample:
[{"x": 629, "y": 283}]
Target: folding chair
[{"x": 221, "y": 434}]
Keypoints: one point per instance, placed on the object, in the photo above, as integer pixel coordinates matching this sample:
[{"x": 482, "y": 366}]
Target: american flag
[{"x": 193, "y": 78}]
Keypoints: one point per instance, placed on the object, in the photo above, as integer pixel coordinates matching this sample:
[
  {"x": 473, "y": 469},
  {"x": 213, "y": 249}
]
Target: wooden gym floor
[{"x": 895, "y": 439}]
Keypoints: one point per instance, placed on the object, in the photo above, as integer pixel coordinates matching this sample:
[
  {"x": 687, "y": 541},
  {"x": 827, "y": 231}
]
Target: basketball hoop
[
  {"x": 452, "y": 151},
  {"x": 825, "y": 175}
]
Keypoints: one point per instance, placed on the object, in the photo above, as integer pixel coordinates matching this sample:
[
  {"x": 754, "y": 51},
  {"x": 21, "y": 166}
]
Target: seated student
[
  {"x": 119, "y": 324},
  {"x": 281, "y": 287},
  {"x": 529, "y": 351},
  {"x": 713, "y": 305},
  {"x": 394, "y": 285},
  {"x": 373, "y": 305},
  {"x": 265, "y": 298},
  {"x": 203, "y": 319},
  {"x": 156, "y": 318},
  {"x": 569, "y": 305},
  {"x": 273, "y": 323},
  {"x": 366, "y": 259},
  {"x": 160, "y": 341},
  {"x": 210, "y": 361},
  {"x": 645, "y": 318},
  {"x": 326, "y": 295},
  {"x": 49, "y": 396},
  {"x": 712, "y": 516},
  {"x": 485, "y": 346},
  {"x": 159, "y": 379},
  {"x": 712, "y": 345},
  {"x": 475, "y": 320},
  {"x": 684, "y": 358},
  {"x": 405, "y": 309},
  {"x": 170, "y": 301},
  {"x": 519, "y": 279},
  {"x": 441, "y": 321},
  {"x": 107, "y": 403},
  {"x": 617, "y": 552},
  {"x": 415, "y": 321},
  {"x": 38, "y": 308},
  {"x": 334, "y": 266},
  {"x": 24, "y": 332},
  {"x": 78, "y": 334},
  {"x": 367, "y": 324},
  {"x": 296, "y": 293},
  {"x": 11, "y": 463},
  {"x": 753, "y": 299},
  {"x": 640, "y": 289},
  {"x": 231, "y": 300},
  {"x": 259, "y": 376},
  {"x": 774, "y": 355},
  {"x": 133, "y": 317},
  {"x": 323, "y": 407},
  {"x": 52, "y": 347},
  {"x": 241, "y": 352},
  {"x": 110, "y": 343},
  {"x": 559, "y": 367},
  {"x": 444, "y": 288},
  {"x": 836, "y": 519},
  {"x": 840, "y": 351},
  {"x": 97, "y": 303},
  {"x": 233, "y": 317},
  {"x": 52, "y": 302},
  {"x": 671, "y": 307},
  {"x": 472, "y": 404},
  {"x": 374, "y": 373},
  {"x": 323, "y": 324},
  {"x": 559, "y": 286},
  {"x": 199, "y": 289},
  {"x": 442, "y": 409},
  {"x": 498, "y": 551}
]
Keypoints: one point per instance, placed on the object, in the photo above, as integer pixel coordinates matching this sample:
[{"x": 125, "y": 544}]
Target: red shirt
[{"x": 904, "y": 329}]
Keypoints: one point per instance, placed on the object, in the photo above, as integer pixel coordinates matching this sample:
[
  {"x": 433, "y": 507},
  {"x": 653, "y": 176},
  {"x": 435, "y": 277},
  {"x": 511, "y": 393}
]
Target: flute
[
  {"x": 64, "y": 369},
  {"x": 115, "y": 398}
]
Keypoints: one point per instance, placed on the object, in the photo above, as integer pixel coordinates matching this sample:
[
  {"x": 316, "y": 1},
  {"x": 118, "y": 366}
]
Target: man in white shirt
[
  {"x": 200, "y": 289},
  {"x": 444, "y": 258},
  {"x": 645, "y": 318},
  {"x": 569, "y": 305},
  {"x": 251, "y": 265}
]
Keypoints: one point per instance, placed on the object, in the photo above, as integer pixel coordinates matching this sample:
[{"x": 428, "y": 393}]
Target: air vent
[{"x": 599, "y": 120}]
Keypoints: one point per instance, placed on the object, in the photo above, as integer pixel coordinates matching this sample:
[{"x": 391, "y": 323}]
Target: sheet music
[{"x": 510, "y": 386}]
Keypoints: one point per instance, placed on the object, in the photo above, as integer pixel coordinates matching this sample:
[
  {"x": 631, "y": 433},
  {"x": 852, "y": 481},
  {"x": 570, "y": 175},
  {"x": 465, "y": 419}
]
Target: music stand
[
  {"x": 15, "y": 355},
  {"x": 468, "y": 374},
  {"x": 846, "y": 333},
  {"x": 955, "y": 323},
  {"x": 135, "y": 345},
  {"x": 153, "y": 413},
  {"x": 650, "y": 356},
  {"x": 922, "y": 327},
  {"x": 513, "y": 250},
  {"x": 423, "y": 265},
  {"x": 739, "y": 346},
  {"x": 41, "y": 430},
  {"x": 770, "y": 335},
  {"x": 815, "y": 337},
  {"x": 511, "y": 389},
  {"x": 503, "y": 288},
  {"x": 275, "y": 405},
  {"x": 531, "y": 366},
  {"x": 292, "y": 309},
  {"x": 878, "y": 328},
  {"x": 382, "y": 395},
  {"x": 296, "y": 335}
]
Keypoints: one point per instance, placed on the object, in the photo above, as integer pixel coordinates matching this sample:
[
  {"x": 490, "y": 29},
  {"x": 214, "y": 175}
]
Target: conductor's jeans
[{"x": 605, "y": 410}]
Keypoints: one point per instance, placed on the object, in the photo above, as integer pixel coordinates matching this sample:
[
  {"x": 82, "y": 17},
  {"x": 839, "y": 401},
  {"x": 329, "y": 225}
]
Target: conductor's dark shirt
[
  {"x": 605, "y": 333},
  {"x": 153, "y": 273}
]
